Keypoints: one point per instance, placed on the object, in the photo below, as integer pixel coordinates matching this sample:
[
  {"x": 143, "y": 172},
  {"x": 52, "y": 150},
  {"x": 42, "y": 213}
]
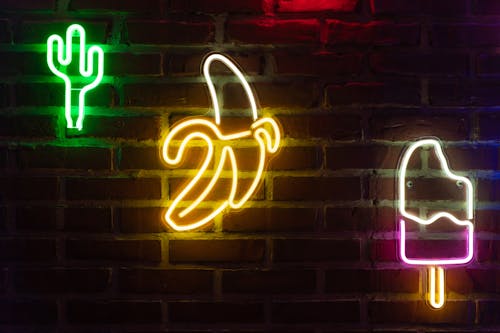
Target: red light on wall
[{"x": 316, "y": 5}]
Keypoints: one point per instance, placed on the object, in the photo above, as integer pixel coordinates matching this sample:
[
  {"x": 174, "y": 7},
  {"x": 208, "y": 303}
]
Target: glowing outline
[
  {"x": 469, "y": 197},
  {"x": 264, "y": 140},
  {"x": 86, "y": 68},
  {"x": 432, "y": 287}
]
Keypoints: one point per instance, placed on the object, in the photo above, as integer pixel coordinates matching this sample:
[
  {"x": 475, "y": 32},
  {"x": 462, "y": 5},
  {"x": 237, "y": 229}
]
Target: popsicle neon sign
[
  {"x": 436, "y": 295},
  {"x": 86, "y": 66},
  {"x": 265, "y": 131}
]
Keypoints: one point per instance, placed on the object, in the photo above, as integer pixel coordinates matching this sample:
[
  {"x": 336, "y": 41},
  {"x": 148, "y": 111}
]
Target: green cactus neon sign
[{"x": 85, "y": 66}]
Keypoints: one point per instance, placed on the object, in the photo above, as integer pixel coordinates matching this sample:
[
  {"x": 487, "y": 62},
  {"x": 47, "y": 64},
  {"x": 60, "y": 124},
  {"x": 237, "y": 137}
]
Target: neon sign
[
  {"x": 265, "y": 131},
  {"x": 85, "y": 66},
  {"x": 435, "y": 295}
]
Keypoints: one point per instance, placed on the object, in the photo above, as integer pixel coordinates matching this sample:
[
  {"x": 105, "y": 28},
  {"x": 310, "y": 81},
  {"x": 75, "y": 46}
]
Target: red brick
[
  {"x": 113, "y": 188},
  {"x": 379, "y": 33},
  {"x": 116, "y": 250},
  {"x": 216, "y": 312},
  {"x": 462, "y": 93},
  {"x": 269, "y": 282},
  {"x": 23, "y": 63},
  {"x": 487, "y": 189},
  {"x": 229, "y": 251},
  {"x": 218, "y": 6},
  {"x": 27, "y": 249},
  {"x": 316, "y": 250},
  {"x": 29, "y": 188},
  {"x": 61, "y": 280},
  {"x": 470, "y": 158},
  {"x": 488, "y": 126},
  {"x": 49, "y": 157},
  {"x": 488, "y": 312},
  {"x": 316, "y": 6},
  {"x": 149, "y": 7},
  {"x": 87, "y": 219},
  {"x": 35, "y": 218},
  {"x": 408, "y": 312},
  {"x": 270, "y": 219},
  {"x": 486, "y": 7},
  {"x": 125, "y": 64},
  {"x": 34, "y": 312},
  {"x": 422, "y": 7},
  {"x": 468, "y": 280},
  {"x": 28, "y": 5},
  {"x": 488, "y": 64},
  {"x": 419, "y": 63},
  {"x": 129, "y": 128},
  {"x": 294, "y": 94},
  {"x": 312, "y": 189},
  {"x": 373, "y": 156},
  {"x": 374, "y": 93},
  {"x": 28, "y": 126},
  {"x": 335, "y": 127},
  {"x": 273, "y": 31},
  {"x": 383, "y": 250},
  {"x": 397, "y": 127},
  {"x": 140, "y": 220},
  {"x": 184, "y": 94},
  {"x": 316, "y": 312},
  {"x": 360, "y": 219},
  {"x": 355, "y": 281},
  {"x": 37, "y": 32},
  {"x": 319, "y": 64},
  {"x": 142, "y": 281},
  {"x": 467, "y": 35},
  {"x": 190, "y": 64},
  {"x": 488, "y": 251},
  {"x": 194, "y": 30},
  {"x": 113, "y": 312}
]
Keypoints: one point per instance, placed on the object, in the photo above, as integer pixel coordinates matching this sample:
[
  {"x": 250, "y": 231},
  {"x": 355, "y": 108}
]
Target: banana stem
[{"x": 436, "y": 287}]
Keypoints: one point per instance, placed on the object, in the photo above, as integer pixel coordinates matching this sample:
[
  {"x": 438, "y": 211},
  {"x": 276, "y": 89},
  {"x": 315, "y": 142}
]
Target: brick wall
[{"x": 82, "y": 244}]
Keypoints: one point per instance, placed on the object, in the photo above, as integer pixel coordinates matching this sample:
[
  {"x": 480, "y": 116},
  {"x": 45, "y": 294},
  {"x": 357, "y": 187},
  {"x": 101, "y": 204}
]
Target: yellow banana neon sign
[{"x": 265, "y": 131}]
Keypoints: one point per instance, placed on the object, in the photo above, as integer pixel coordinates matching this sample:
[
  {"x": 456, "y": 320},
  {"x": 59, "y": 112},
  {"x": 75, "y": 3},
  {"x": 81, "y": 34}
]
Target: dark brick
[
  {"x": 374, "y": 93},
  {"x": 48, "y": 157},
  {"x": 117, "y": 250},
  {"x": 422, "y": 7},
  {"x": 24, "y": 63},
  {"x": 340, "y": 219},
  {"x": 61, "y": 280},
  {"x": 129, "y": 128},
  {"x": 28, "y": 126},
  {"x": 83, "y": 219},
  {"x": 29, "y": 188},
  {"x": 271, "y": 219},
  {"x": 314, "y": 250},
  {"x": 460, "y": 93},
  {"x": 217, "y": 6},
  {"x": 366, "y": 281},
  {"x": 37, "y": 32},
  {"x": 140, "y": 220},
  {"x": 113, "y": 312},
  {"x": 5, "y": 34},
  {"x": 316, "y": 312},
  {"x": 28, "y": 5},
  {"x": 488, "y": 251},
  {"x": 469, "y": 280},
  {"x": 204, "y": 312},
  {"x": 35, "y": 218},
  {"x": 420, "y": 63},
  {"x": 335, "y": 127},
  {"x": 308, "y": 6},
  {"x": 464, "y": 35},
  {"x": 486, "y": 7},
  {"x": 379, "y": 33},
  {"x": 35, "y": 312},
  {"x": 125, "y": 64},
  {"x": 269, "y": 282},
  {"x": 320, "y": 64},
  {"x": 488, "y": 312},
  {"x": 146, "y": 7},
  {"x": 312, "y": 189},
  {"x": 273, "y": 31},
  {"x": 228, "y": 251},
  {"x": 190, "y": 64},
  {"x": 488, "y": 126},
  {"x": 184, "y": 94},
  {"x": 166, "y": 281},
  {"x": 27, "y": 250},
  {"x": 485, "y": 220},
  {"x": 192, "y": 31},
  {"x": 113, "y": 188},
  {"x": 408, "y": 312},
  {"x": 373, "y": 156}
]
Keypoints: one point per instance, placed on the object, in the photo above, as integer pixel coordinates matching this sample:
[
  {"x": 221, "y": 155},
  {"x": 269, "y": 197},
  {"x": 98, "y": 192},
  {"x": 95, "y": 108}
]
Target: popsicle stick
[{"x": 436, "y": 287}]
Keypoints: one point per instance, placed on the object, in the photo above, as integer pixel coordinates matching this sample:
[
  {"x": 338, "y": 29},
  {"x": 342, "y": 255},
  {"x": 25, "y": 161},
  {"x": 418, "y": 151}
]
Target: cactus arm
[{"x": 87, "y": 72}]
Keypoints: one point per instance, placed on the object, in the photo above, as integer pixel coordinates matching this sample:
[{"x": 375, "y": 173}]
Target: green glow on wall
[{"x": 85, "y": 66}]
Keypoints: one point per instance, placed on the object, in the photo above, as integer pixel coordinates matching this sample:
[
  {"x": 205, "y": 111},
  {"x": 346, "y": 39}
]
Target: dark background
[{"x": 82, "y": 244}]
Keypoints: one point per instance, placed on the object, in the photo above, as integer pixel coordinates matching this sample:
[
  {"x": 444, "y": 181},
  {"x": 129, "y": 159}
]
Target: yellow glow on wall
[{"x": 265, "y": 131}]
